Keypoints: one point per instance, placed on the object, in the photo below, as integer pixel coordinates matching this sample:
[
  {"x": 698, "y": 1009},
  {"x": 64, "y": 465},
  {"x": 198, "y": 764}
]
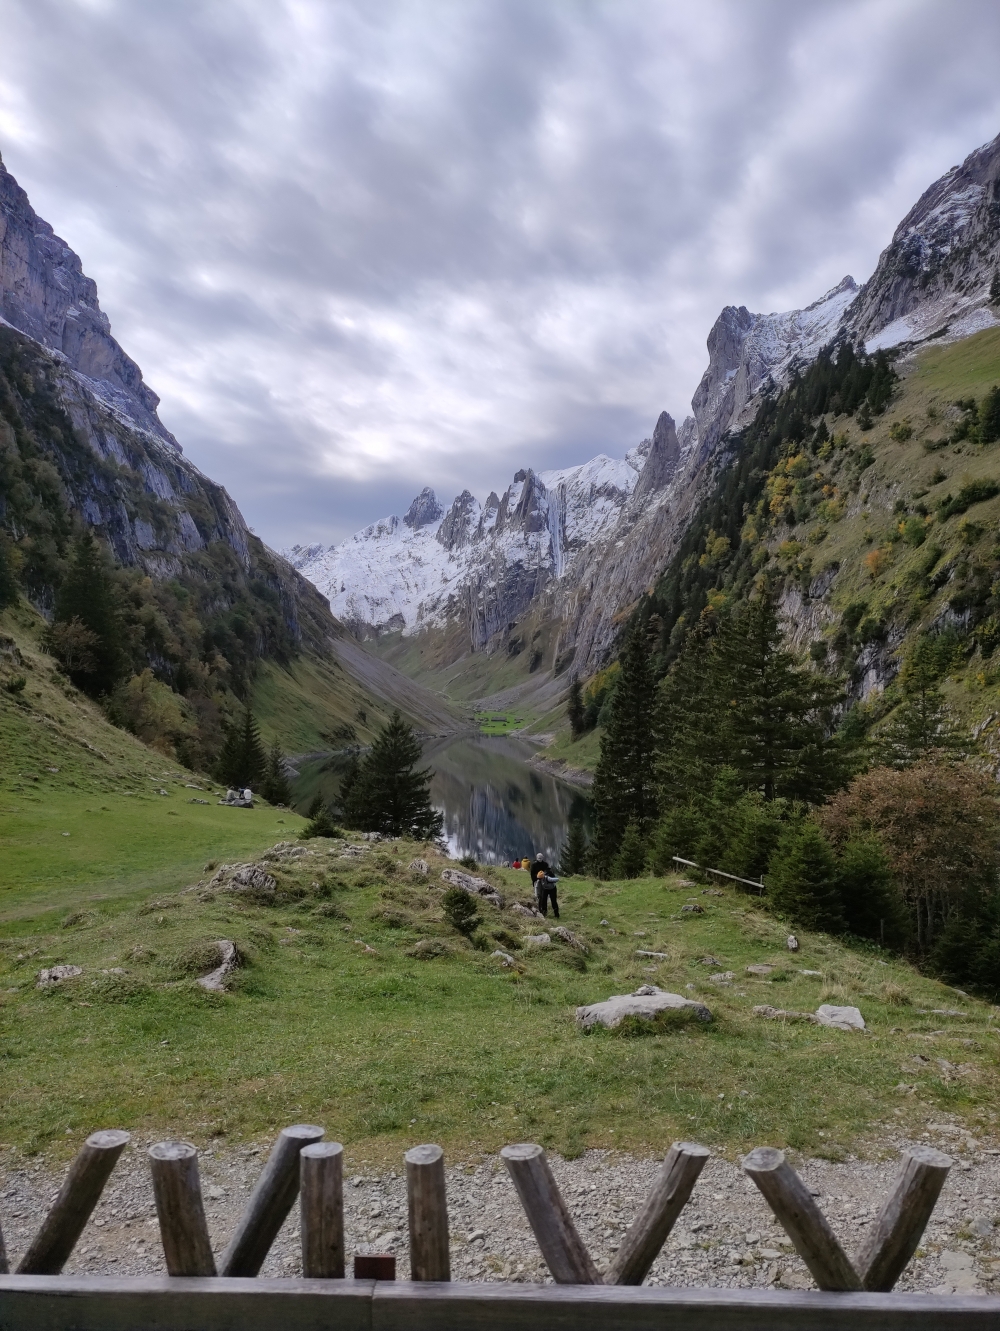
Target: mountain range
[{"x": 551, "y": 567}]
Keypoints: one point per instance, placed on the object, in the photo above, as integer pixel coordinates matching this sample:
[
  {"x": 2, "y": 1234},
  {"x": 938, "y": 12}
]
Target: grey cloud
[{"x": 362, "y": 248}]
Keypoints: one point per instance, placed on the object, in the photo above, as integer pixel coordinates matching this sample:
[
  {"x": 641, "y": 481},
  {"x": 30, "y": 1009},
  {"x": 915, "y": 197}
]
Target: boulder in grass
[
  {"x": 781, "y": 1014},
  {"x": 840, "y": 1018},
  {"x": 477, "y": 887},
  {"x": 538, "y": 940},
  {"x": 564, "y": 935},
  {"x": 504, "y": 958},
  {"x": 646, "y": 1002},
  {"x": 419, "y": 866},
  {"x": 55, "y": 975},
  {"x": 761, "y": 968}
]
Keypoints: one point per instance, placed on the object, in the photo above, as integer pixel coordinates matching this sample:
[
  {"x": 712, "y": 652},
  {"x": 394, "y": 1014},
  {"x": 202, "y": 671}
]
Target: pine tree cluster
[{"x": 385, "y": 792}]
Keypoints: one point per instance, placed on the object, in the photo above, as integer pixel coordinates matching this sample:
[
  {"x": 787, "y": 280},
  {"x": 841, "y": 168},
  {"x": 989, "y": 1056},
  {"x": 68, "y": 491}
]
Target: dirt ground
[{"x": 726, "y": 1235}]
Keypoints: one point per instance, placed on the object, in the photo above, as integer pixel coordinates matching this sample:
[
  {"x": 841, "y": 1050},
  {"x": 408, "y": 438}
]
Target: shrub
[
  {"x": 631, "y": 858},
  {"x": 976, "y": 492},
  {"x": 16, "y": 685},
  {"x": 989, "y": 416},
  {"x": 460, "y": 911},
  {"x": 901, "y": 431}
]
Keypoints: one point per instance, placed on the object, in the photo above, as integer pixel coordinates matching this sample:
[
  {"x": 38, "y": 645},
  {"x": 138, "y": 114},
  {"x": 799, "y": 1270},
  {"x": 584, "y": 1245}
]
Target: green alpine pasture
[{"x": 358, "y": 1006}]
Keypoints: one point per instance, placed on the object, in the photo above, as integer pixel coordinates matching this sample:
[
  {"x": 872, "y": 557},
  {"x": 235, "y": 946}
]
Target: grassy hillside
[
  {"x": 80, "y": 817},
  {"x": 359, "y": 1007}
]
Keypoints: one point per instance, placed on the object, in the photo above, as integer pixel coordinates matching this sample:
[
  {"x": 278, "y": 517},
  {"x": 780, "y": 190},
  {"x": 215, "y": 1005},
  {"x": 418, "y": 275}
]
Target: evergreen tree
[
  {"x": 802, "y": 879},
  {"x": 275, "y": 786},
  {"x": 864, "y": 418},
  {"x": 348, "y": 780},
  {"x": 320, "y": 821},
  {"x": 922, "y": 722},
  {"x": 573, "y": 858},
  {"x": 575, "y": 709},
  {"x": 624, "y": 791},
  {"x": 9, "y": 589},
  {"x": 872, "y": 905},
  {"x": 87, "y": 599},
  {"x": 631, "y": 858},
  {"x": 989, "y": 416},
  {"x": 691, "y": 746},
  {"x": 460, "y": 910},
  {"x": 388, "y": 794},
  {"x": 776, "y": 714},
  {"x": 242, "y": 761}
]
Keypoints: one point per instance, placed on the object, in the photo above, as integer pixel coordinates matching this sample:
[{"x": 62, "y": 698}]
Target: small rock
[
  {"x": 530, "y": 911},
  {"x": 981, "y": 1226},
  {"x": 357, "y": 1181},
  {"x": 840, "y": 1018},
  {"x": 538, "y": 940},
  {"x": 760, "y": 969},
  {"x": 476, "y": 1235},
  {"x": 564, "y": 935},
  {"x": 709, "y": 961},
  {"x": 723, "y": 977},
  {"x": 504, "y": 958},
  {"x": 792, "y": 943},
  {"x": 770, "y": 1254},
  {"x": 214, "y": 1194},
  {"x": 780, "y": 1014},
  {"x": 419, "y": 866},
  {"x": 694, "y": 908},
  {"x": 55, "y": 975},
  {"x": 197, "y": 801},
  {"x": 818, "y": 973},
  {"x": 477, "y": 887},
  {"x": 712, "y": 892}
]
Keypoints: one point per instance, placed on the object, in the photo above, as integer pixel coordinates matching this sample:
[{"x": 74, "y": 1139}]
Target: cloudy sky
[{"x": 362, "y": 246}]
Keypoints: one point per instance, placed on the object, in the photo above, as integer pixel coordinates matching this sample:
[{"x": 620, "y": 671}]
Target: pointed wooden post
[
  {"x": 269, "y": 1203},
  {"x": 894, "y": 1236},
  {"x": 79, "y": 1194},
  {"x": 321, "y": 1210},
  {"x": 803, "y": 1221},
  {"x": 187, "y": 1249},
  {"x": 427, "y": 1203},
  {"x": 667, "y": 1198},
  {"x": 564, "y": 1251}
]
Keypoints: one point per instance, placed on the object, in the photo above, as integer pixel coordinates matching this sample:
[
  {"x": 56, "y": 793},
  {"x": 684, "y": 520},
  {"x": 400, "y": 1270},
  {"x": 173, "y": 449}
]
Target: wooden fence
[{"x": 852, "y": 1293}]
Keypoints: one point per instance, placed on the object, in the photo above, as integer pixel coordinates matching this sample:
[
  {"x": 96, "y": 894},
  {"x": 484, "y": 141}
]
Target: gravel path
[{"x": 725, "y": 1236}]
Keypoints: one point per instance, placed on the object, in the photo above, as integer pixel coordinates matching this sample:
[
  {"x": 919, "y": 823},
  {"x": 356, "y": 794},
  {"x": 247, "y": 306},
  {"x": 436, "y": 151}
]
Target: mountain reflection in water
[{"x": 495, "y": 805}]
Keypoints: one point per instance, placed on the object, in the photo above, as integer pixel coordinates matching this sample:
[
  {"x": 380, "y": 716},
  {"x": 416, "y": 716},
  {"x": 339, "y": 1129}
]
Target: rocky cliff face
[{"x": 934, "y": 278}]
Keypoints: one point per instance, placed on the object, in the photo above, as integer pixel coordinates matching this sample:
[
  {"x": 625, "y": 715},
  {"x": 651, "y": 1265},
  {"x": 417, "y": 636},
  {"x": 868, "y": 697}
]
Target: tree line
[{"x": 739, "y": 758}]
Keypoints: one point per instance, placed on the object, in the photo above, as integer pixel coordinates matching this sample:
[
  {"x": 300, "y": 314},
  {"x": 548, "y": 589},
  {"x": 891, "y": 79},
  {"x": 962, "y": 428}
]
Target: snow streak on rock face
[
  {"x": 933, "y": 279},
  {"x": 483, "y": 561}
]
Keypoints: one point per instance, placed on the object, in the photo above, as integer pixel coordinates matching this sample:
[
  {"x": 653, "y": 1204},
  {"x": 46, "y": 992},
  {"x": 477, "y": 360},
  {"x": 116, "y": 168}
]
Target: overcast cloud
[{"x": 362, "y": 246}]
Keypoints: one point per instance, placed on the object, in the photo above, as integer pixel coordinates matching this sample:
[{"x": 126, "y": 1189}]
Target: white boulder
[
  {"x": 843, "y": 1018},
  {"x": 647, "y": 1001}
]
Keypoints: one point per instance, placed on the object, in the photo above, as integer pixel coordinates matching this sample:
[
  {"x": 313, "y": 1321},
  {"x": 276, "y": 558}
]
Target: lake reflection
[{"x": 496, "y": 806}]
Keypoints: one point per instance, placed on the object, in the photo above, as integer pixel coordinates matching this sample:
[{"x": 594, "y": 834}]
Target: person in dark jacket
[{"x": 545, "y": 884}]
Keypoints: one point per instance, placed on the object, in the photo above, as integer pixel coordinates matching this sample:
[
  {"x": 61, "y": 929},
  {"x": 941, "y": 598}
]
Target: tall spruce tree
[
  {"x": 275, "y": 786},
  {"x": 624, "y": 789},
  {"x": 922, "y": 722},
  {"x": 691, "y": 745},
  {"x": 573, "y": 856},
  {"x": 575, "y": 709},
  {"x": 242, "y": 761},
  {"x": 87, "y": 600},
  {"x": 802, "y": 879},
  {"x": 776, "y": 715},
  {"x": 9, "y": 589},
  {"x": 389, "y": 795}
]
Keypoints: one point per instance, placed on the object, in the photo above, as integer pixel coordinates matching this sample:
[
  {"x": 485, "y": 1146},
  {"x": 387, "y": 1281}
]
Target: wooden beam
[
  {"x": 4, "y": 1263},
  {"x": 269, "y": 1203},
  {"x": 187, "y": 1249},
  {"x": 803, "y": 1221},
  {"x": 160, "y": 1303},
  {"x": 894, "y": 1236},
  {"x": 321, "y": 1210},
  {"x": 79, "y": 1194},
  {"x": 548, "y": 1215},
  {"x": 427, "y": 1205},
  {"x": 667, "y": 1198}
]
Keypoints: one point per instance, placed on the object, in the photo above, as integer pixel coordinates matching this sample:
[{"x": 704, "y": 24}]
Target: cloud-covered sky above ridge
[{"x": 363, "y": 246}]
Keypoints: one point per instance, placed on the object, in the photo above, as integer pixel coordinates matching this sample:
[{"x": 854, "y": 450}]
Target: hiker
[
  {"x": 544, "y": 882},
  {"x": 516, "y": 864}
]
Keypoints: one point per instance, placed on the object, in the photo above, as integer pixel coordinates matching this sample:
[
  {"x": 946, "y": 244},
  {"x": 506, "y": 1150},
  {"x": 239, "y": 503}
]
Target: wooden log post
[
  {"x": 79, "y": 1194},
  {"x": 321, "y": 1210},
  {"x": 894, "y": 1236},
  {"x": 564, "y": 1251},
  {"x": 187, "y": 1249},
  {"x": 427, "y": 1205},
  {"x": 269, "y": 1203},
  {"x": 667, "y": 1198},
  {"x": 803, "y": 1221},
  {"x": 4, "y": 1263}
]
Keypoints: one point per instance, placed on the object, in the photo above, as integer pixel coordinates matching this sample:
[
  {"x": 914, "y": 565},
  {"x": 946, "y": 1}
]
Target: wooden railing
[{"x": 853, "y": 1293}]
